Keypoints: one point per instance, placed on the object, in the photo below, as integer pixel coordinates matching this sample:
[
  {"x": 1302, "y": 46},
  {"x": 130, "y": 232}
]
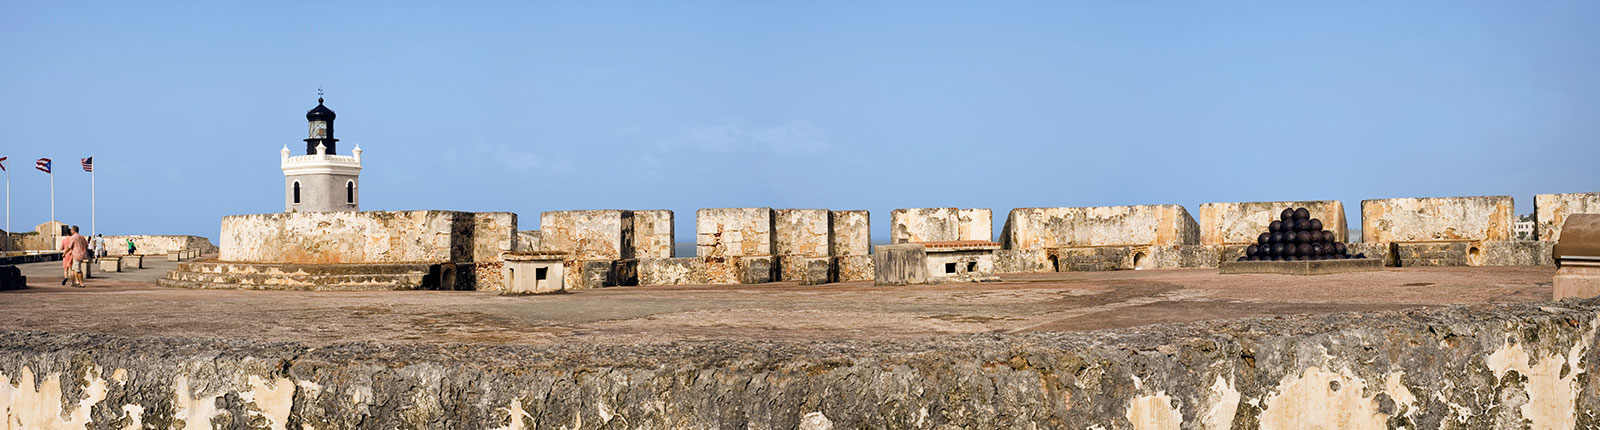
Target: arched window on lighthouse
[
  {"x": 350, "y": 192},
  {"x": 297, "y": 192}
]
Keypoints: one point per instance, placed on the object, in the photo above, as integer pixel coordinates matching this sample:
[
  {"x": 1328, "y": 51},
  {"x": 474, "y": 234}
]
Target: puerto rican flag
[
  {"x": 88, "y": 164},
  {"x": 43, "y": 165},
  {"x": 3, "y": 163}
]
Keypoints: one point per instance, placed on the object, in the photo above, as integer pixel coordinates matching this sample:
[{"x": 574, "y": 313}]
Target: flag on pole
[
  {"x": 43, "y": 165},
  {"x": 88, "y": 164},
  {"x": 3, "y": 163}
]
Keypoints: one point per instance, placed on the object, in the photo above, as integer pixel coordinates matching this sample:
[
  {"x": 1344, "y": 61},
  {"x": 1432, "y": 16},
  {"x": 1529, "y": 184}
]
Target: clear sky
[{"x": 530, "y": 107}]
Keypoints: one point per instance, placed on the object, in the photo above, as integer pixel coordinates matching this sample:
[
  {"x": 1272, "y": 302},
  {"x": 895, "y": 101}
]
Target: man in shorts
[{"x": 74, "y": 248}]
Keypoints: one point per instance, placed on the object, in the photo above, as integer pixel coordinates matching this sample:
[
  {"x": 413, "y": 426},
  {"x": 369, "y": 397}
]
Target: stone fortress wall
[
  {"x": 812, "y": 246},
  {"x": 1504, "y": 366}
]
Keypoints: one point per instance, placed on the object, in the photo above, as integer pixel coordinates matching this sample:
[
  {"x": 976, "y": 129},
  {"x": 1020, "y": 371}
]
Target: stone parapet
[
  {"x": 1551, "y": 211},
  {"x": 940, "y": 225},
  {"x": 1436, "y": 219},
  {"x": 1241, "y": 223},
  {"x": 1146, "y": 225}
]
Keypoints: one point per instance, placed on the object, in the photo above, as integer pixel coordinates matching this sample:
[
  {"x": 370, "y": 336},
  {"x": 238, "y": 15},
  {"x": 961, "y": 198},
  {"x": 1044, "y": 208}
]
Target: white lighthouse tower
[{"x": 321, "y": 180}]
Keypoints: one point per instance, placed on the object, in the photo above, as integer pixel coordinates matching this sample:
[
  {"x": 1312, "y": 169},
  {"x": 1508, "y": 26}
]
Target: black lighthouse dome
[
  {"x": 320, "y": 113},
  {"x": 321, "y": 132}
]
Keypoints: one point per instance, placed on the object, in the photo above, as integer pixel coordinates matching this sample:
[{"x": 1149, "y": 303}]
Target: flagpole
[
  {"x": 55, "y": 232},
  {"x": 92, "y": 230}
]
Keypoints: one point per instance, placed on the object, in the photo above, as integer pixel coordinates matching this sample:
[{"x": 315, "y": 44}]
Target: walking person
[
  {"x": 74, "y": 248},
  {"x": 99, "y": 246}
]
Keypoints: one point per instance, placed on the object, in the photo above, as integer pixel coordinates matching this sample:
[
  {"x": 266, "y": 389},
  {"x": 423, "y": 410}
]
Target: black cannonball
[
  {"x": 1305, "y": 250},
  {"x": 1316, "y": 224},
  {"x": 1361, "y": 255},
  {"x": 1302, "y": 225},
  {"x": 1341, "y": 248},
  {"x": 1287, "y": 214},
  {"x": 1327, "y": 236},
  {"x": 1275, "y": 226},
  {"x": 1302, "y": 214},
  {"x": 1316, "y": 249},
  {"x": 1264, "y": 238},
  {"x": 1251, "y": 250},
  {"x": 1277, "y": 249},
  {"x": 1302, "y": 237},
  {"x": 1275, "y": 237}
]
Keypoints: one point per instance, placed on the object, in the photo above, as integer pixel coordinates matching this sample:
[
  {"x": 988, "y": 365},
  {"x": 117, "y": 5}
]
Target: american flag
[
  {"x": 88, "y": 164},
  {"x": 3, "y": 163},
  {"x": 43, "y": 165}
]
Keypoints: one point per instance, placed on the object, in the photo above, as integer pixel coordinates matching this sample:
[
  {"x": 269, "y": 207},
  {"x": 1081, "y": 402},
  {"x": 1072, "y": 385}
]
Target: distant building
[
  {"x": 321, "y": 180},
  {"x": 1523, "y": 230}
]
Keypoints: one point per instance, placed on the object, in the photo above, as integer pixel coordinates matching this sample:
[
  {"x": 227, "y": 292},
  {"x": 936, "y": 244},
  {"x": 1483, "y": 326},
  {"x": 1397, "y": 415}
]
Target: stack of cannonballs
[{"x": 1297, "y": 237}]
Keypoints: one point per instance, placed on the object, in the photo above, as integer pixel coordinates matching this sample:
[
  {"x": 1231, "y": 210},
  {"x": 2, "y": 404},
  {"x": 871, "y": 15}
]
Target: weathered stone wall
[
  {"x": 588, "y": 234},
  {"x": 1551, "y": 210},
  {"x": 1022, "y": 261},
  {"x": 1436, "y": 219},
  {"x": 158, "y": 244},
  {"x": 493, "y": 234},
  {"x": 347, "y": 237},
  {"x": 851, "y": 233},
  {"x": 802, "y": 232},
  {"x": 940, "y": 224},
  {"x": 1488, "y": 367},
  {"x": 1146, "y": 225},
  {"x": 729, "y": 232},
  {"x": 653, "y": 234},
  {"x": 1241, "y": 223}
]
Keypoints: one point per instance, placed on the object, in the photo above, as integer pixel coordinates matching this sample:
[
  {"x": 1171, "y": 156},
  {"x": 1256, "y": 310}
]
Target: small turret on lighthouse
[{"x": 321, "y": 180}]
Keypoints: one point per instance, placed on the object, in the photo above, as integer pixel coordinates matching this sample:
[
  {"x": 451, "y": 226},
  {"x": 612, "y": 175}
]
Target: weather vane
[{"x": 319, "y": 92}]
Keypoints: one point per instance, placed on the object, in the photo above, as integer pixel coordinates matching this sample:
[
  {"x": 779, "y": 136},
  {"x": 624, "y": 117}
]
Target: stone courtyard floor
[{"x": 130, "y": 303}]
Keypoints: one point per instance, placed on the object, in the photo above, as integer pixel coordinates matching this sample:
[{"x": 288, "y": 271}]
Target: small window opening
[
  {"x": 297, "y": 192},
  {"x": 350, "y": 192},
  {"x": 511, "y": 276},
  {"x": 540, "y": 273},
  {"x": 949, "y": 267},
  {"x": 972, "y": 266}
]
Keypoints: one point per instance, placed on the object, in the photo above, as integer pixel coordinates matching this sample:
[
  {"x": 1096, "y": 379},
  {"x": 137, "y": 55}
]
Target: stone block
[
  {"x": 1182, "y": 257},
  {"x": 588, "y": 234},
  {"x": 733, "y": 232},
  {"x": 1576, "y": 281},
  {"x": 811, "y": 270},
  {"x": 853, "y": 268},
  {"x": 1436, "y": 219},
  {"x": 802, "y": 232},
  {"x": 1433, "y": 254},
  {"x": 11, "y": 278},
  {"x": 757, "y": 269},
  {"x": 132, "y": 261},
  {"x": 653, "y": 235},
  {"x": 949, "y": 263},
  {"x": 900, "y": 264},
  {"x": 1022, "y": 261},
  {"x": 109, "y": 264},
  {"x": 1240, "y": 223},
  {"x": 1146, "y": 225},
  {"x": 1513, "y": 253},
  {"x": 493, "y": 234},
  {"x": 940, "y": 225},
  {"x": 1384, "y": 252},
  {"x": 1551, "y": 210},
  {"x": 597, "y": 273},
  {"x": 1313, "y": 267},
  {"x": 852, "y": 233},
  {"x": 1095, "y": 259},
  {"x": 672, "y": 271},
  {"x": 174, "y": 256}
]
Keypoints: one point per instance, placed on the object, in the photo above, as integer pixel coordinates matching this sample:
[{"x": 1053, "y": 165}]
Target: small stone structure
[
  {"x": 961, "y": 261},
  {"x": 12, "y": 279},
  {"x": 132, "y": 261},
  {"x": 758, "y": 245},
  {"x": 604, "y": 246},
  {"x": 900, "y": 264},
  {"x": 535, "y": 272},
  {"x": 158, "y": 244},
  {"x": 110, "y": 264},
  {"x": 42, "y": 238}
]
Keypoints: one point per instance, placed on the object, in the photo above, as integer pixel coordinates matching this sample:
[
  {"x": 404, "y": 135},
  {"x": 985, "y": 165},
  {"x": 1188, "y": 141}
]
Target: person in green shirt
[{"x": 131, "y": 247}]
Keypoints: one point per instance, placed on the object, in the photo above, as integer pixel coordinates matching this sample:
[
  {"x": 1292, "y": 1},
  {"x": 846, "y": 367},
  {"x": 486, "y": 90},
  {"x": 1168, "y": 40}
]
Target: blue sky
[{"x": 530, "y": 107}]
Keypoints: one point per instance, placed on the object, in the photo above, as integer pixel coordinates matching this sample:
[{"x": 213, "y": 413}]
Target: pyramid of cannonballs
[{"x": 1296, "y": 236}]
